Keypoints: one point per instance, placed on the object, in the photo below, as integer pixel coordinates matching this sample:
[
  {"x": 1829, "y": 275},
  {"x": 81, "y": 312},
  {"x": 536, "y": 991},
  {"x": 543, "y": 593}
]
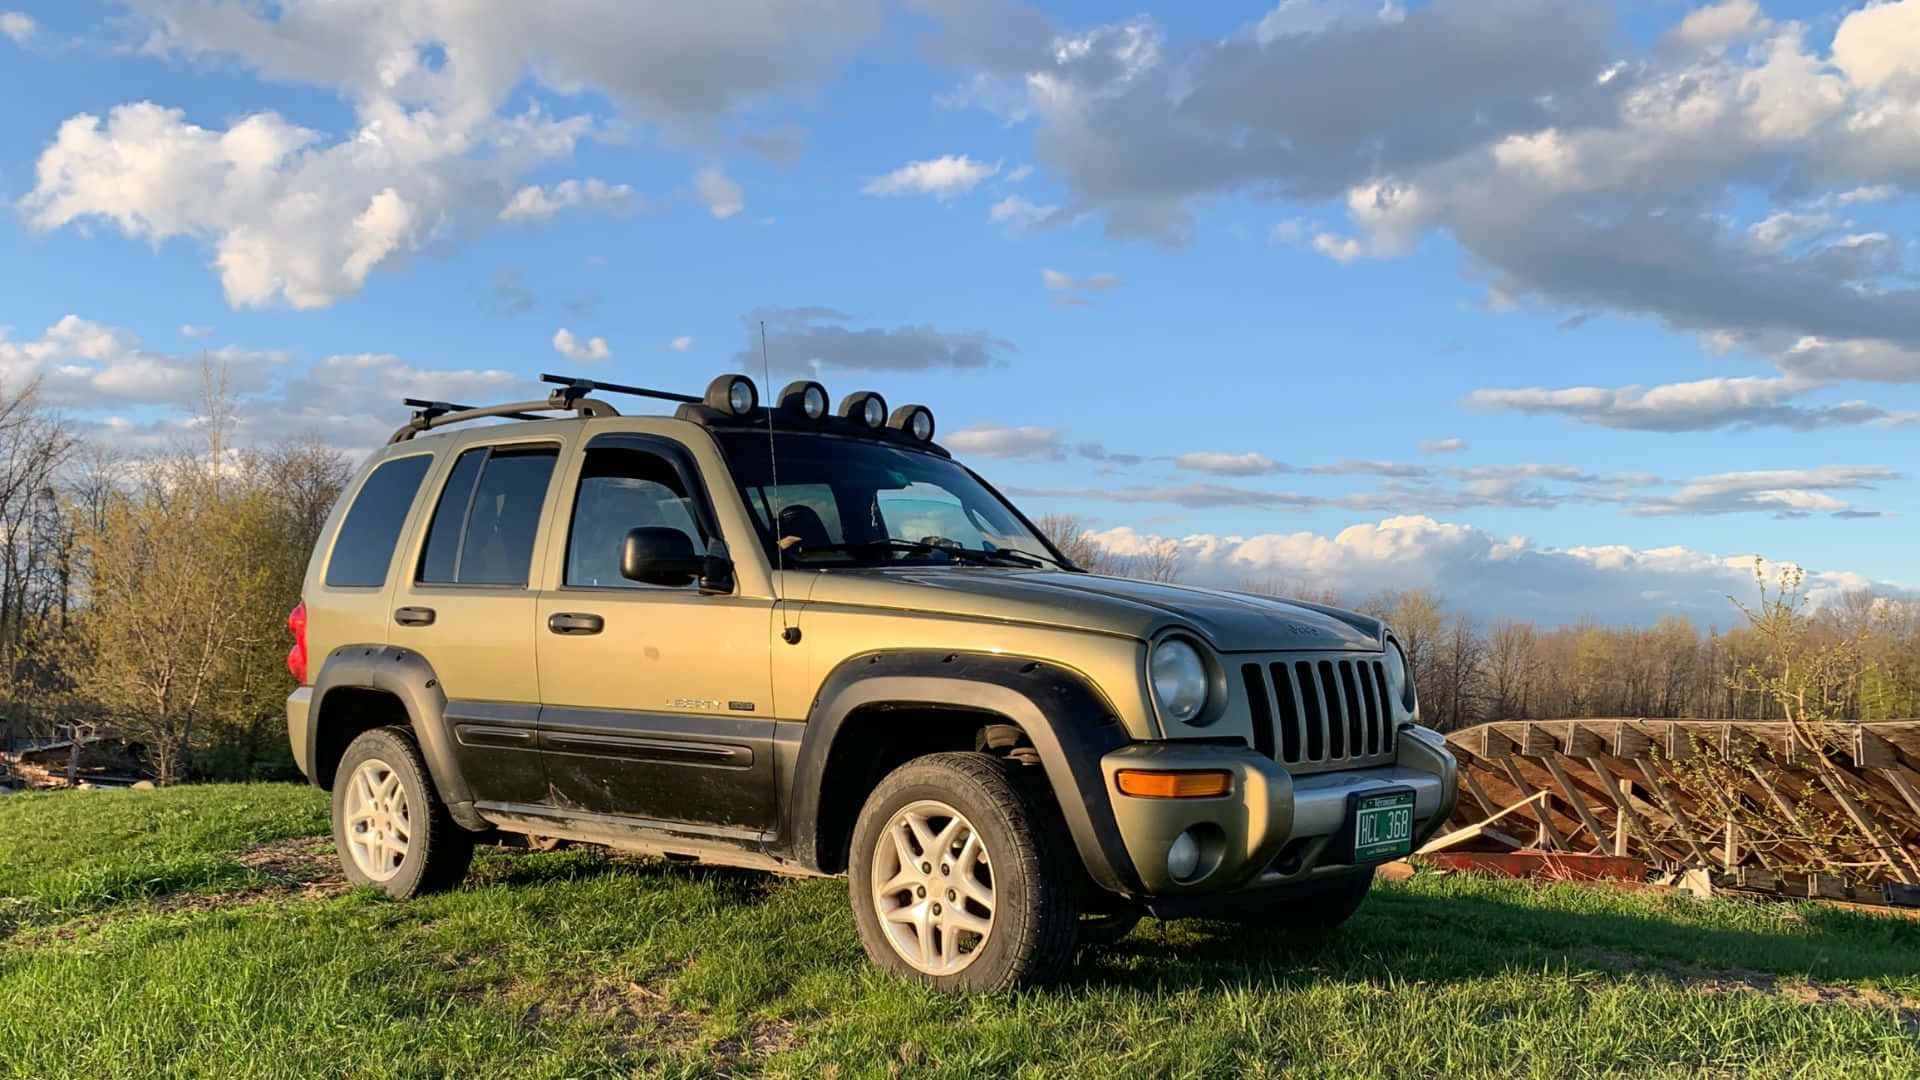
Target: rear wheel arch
[
  {"x": 1067, "y": 723},
  {"x": 363, "y": 687}
]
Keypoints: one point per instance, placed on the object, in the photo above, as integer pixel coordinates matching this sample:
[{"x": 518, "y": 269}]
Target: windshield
[{"x": 851, "y": 502}]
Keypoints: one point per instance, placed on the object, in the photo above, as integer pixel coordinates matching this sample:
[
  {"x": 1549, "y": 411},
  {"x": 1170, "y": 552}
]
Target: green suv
[{"x": 809, "y": 641}]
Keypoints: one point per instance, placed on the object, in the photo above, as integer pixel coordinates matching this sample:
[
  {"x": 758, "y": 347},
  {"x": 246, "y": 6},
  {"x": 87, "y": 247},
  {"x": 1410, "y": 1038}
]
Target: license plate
[{"x": 1380, "y": 824}]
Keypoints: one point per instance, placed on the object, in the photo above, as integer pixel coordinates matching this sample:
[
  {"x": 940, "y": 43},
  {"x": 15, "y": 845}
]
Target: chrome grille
[{"x": 1318, "y": 712}]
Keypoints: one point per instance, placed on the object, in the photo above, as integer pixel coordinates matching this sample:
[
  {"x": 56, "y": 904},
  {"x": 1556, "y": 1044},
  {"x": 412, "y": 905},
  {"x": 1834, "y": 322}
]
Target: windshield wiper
[{"x": 916, "y": 547}]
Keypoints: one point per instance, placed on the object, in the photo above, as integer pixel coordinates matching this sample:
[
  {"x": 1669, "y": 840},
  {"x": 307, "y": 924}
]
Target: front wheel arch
[{"x": 1068, "y": 722}]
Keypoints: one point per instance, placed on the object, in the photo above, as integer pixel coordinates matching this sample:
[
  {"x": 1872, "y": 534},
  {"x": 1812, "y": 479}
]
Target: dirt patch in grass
[
  {"x": 643, "y": 1023},
  {"x": 1743, "y": 981},
  {"x": 1738, "y": 980},
  {"x": 303, "y": 863}
]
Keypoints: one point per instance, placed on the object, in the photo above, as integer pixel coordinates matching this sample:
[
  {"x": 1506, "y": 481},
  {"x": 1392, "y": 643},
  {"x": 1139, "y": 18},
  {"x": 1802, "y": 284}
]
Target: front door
[{"x": 657, "y": 702}]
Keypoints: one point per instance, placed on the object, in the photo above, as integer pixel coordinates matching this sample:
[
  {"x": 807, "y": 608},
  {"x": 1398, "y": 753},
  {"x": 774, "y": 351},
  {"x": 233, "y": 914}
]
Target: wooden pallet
[{"x": 1750, "y": 802}]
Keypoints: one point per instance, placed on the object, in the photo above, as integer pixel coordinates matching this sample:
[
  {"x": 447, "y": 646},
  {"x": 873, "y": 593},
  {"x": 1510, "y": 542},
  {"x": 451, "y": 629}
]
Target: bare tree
[
  {"x": 1160, "y": 562},
  {"x": 1069, "y": 533}
]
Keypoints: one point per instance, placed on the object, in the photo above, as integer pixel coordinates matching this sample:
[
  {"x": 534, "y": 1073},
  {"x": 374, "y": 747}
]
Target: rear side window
[
  {"x": 489, "y": 513},
  {"x": 365, "y": 545}
]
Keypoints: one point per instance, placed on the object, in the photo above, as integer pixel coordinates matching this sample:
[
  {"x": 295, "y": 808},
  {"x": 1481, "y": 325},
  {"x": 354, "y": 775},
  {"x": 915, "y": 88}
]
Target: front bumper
[{"x": 1271, "y": 828}]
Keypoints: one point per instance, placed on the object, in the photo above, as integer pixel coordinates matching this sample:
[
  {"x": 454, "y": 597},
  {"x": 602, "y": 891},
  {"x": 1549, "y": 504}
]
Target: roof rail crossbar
[
  {"x": 441, "y": 408},
  {"x": 560, "y": 401},
  {"x": 576, "y": 387}
]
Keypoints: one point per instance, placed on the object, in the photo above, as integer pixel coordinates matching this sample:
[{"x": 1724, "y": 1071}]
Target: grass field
[{"x": 201, "y": 931}]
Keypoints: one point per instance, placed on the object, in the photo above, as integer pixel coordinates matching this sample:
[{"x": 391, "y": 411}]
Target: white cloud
[
  {"x": 1719, "y": 25},
  {"x": 303, "y": 217},
  {"x": 943, "y": 177},
  {"x": 1568, "y": 172},
  {"x": 1443, "y": 446},
  {"x": 83, "y": 365},
  {"x": 1783, "y": 227},
  {"x": 720, "y": 195},
  {"x": 1229, "y": 464},
  {"x": 189, "y": 330},
  {"x": 1018, "y": 213},
  {"x": 535, "y": 203},
  {"x": 997, "y": 441},
  {"x": 1699, "y": 405},
  {"x": 681, "y": 343},
  {"x": 1060, "y": 281},
  {"x": 17, "y": 25},
  {"x": 1489, "y": 575},
  {"x": 353, "y": 400},
  {"x": 1785, "y": 492},
  {"x": 588, "y": 351}
]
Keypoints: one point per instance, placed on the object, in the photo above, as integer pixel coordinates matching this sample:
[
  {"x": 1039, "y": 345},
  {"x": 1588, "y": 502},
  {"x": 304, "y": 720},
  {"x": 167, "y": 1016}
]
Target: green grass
[
  {"x": 64, "y": 853},
  {"x": 575, "y": 963}
]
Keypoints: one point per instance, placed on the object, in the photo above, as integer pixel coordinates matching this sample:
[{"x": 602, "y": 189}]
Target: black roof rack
[
  {"x": 578, "y": 387},
  {"x": 435, "y": 409},
  {"x": 436, "y": 414},
  {"x": 571, "y": 396}
]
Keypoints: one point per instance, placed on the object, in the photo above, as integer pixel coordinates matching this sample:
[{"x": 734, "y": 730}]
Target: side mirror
[{"x": 657, "y": 556}]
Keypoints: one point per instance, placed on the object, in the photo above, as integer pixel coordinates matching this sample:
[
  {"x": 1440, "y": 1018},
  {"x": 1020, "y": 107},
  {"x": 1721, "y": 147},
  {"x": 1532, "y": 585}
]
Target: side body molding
[
  {"x": 408, "y": 677},
  {"x": 1069, "y": 722}
]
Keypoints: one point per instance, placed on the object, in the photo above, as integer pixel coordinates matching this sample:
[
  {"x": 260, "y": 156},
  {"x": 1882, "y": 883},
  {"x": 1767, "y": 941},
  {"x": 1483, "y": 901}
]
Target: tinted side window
[
  {"x": 441, "y": 558},
  {"x": 495, "y": 515},
  {"x": 622, "y": 489},
  {"x": 372, "y": 527}
]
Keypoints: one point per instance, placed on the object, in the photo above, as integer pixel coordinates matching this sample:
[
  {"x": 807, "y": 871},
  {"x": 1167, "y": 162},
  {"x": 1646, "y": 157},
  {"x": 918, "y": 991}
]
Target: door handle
[
  {"x": 413, "y": 616},
  {"x": 575, "y": 622}
]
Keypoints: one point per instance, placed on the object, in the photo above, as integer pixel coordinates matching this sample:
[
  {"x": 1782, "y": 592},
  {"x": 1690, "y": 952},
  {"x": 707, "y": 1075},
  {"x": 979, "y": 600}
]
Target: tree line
[
  {"x": 144, "y": 597},
  {"x": 1859, "y": 657}
]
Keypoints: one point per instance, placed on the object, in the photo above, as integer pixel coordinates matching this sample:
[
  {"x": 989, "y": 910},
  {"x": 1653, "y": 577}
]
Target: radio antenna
[{"x": 771, "y": 498}]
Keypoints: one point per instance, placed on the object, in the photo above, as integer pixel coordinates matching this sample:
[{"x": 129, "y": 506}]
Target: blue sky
[{"x": 1238, "y": 275}]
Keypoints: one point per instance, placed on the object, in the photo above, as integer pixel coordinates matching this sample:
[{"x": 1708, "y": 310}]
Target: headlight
[
  {"x": 1179, "y": 680},
  {"x": 1398, "y": 676}
]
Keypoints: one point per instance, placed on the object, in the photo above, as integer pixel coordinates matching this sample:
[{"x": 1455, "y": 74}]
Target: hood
[{"x": 1229, "y": 622}]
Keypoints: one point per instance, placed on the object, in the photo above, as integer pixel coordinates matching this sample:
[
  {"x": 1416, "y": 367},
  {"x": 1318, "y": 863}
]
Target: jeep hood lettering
[{"x": 1229, "y": 622}]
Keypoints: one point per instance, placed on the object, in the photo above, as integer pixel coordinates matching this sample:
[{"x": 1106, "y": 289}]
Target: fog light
[{"x": 1183, "y": 857}]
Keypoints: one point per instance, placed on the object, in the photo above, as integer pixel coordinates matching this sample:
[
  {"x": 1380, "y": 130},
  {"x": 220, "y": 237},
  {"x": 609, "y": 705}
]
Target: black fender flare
[
  {"x": 1070, "y": 723},
  {"x": 407, "y": 676}
]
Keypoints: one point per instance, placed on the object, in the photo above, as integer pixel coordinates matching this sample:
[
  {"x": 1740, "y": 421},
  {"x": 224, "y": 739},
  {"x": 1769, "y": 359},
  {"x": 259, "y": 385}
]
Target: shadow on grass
[
  {"x": 1439, "y": 938},
  {"x": 521, "y": 869}
]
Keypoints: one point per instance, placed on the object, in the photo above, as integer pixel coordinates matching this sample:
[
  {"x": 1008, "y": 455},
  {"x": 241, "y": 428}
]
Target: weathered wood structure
[{"x": 1756, "y": 805}]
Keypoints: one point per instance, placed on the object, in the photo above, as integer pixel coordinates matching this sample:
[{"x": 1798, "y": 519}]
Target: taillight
[{"x": 297, "y": 656}]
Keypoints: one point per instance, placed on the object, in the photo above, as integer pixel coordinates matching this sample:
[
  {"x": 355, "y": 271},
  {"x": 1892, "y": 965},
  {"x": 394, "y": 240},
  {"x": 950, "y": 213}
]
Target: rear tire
[
  {"x": 1314, "y": 909},
  {"x": 389, "y": 825},
  {"x": 960, "y": 879}
]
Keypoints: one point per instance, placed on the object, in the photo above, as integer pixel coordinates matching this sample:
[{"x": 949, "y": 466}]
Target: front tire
[
  {"x": 957, "y": 877},
  {"x": 389, "y": 826}
]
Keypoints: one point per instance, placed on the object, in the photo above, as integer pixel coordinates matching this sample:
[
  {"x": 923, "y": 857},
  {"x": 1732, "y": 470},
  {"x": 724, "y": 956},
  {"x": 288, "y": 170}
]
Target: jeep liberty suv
[{"x": 811, "y": 642}]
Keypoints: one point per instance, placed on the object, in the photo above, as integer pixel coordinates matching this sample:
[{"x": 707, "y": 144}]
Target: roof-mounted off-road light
[
  {"x": 865, "y": 408},
  {"x": 805, "y": 397},
  {"x": 915, "y": 420},
  {"x": 733, "y": 394}
]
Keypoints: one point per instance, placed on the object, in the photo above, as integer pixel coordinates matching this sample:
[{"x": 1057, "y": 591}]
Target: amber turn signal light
[{"x": 1183, "y": 784}]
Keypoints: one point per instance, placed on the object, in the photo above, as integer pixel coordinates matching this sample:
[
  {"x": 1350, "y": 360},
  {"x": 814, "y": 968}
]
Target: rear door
[
  {"x": 466, "y": 604},
  {"x": 657, "y": 701}
]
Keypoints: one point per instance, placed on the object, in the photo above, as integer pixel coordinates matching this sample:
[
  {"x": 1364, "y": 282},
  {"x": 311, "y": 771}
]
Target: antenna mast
[{"x": 788, "y": 633}]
